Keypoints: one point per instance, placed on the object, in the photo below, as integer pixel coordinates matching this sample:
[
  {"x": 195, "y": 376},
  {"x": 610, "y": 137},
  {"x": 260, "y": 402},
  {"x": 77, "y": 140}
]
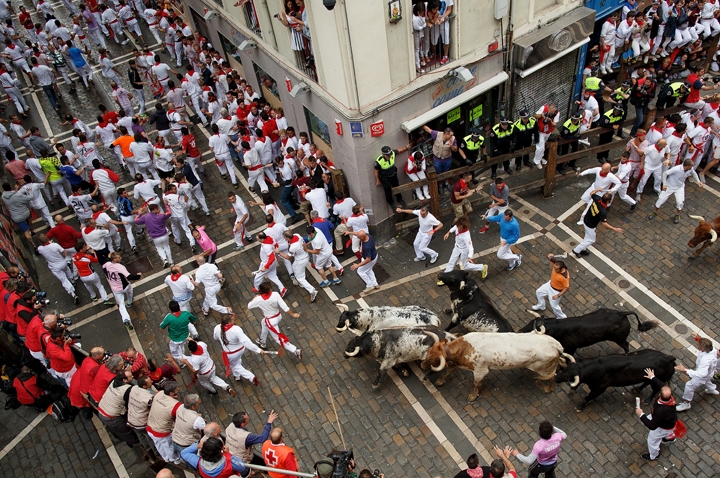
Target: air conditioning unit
[{"x": 210, "y": 14}]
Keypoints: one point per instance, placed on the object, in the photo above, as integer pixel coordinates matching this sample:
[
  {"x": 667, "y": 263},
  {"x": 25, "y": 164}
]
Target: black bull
[
  {"x": 578, "y": 332},
  {"x": 599, "y": 373}
]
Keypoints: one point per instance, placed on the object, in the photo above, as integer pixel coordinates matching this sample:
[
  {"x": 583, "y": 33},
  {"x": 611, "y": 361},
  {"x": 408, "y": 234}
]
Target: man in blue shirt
[
  {"x": 210, "y": 460},
  {"x": 81, "y": 65},
  {"x": 326, "y": 228},
  {"x": 369, "y": 259},
  {"x": 127, "y": 215},
  {"x": 509, "y": 235},
  {"x": 240, "y": 441}
]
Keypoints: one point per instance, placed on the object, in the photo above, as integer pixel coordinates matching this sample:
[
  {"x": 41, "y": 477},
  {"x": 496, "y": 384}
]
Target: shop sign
[
  {"x": 338, "y": 127},
  {"x": 453, "y": 115},
  {"x": 288, "y": 83},
  {"x": 356, "y": 129},
  {"x": 476, "y": 112},
  {"x": 377, "y": 129},
  {"x": 453, "y": 87}
]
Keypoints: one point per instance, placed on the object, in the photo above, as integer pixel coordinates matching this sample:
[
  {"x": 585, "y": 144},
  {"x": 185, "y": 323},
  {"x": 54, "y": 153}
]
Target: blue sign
[
  {"x": 603, "y": 7},
  {"x": 356, "y": 129}
]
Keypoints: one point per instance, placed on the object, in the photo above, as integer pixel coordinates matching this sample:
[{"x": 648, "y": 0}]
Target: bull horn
[
  {"x": 713, "y": 235},
  {"x": 699, "y": 218},
  {"x": 433, "y": 335},
  {"x": 462, "y": 285},
  {"x": 355, "y": 332},
  {"x": 343, "y": 329},
  {"x": 353, "y": 353},
  {"x": 441, "y": 366},
  {"x": 575, "y": 382},
  {"x": 344, "y": 307},
  {"x": 541, "y": 331},
  {"x": 532, "y": 312}
]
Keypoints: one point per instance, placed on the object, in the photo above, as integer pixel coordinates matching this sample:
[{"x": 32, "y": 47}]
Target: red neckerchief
[
  {"x": 463, "y": 184},
  {"x": 340, "y": 201},
  {"x": 268, "y": 240},
  {"x": 170, "y": 111},
  {"x": 714, "y": 105},
  {"x": 47, "y": 243},
  {"x": 156, "y": 64},
  {"x": 175, "y": 277},
  {"x": 176, "y": 314},
  {"x": 266, "y": 296},
  {"x": 11, "y": 46},
  {"x": 16, "y": 122},
  {"x": 676, "y": 134},
  {"x": 199, "y": 351},
  {"x": 96, "y": 214},
  {"x": 670, "y": 402},
  {"x": 499, "y": 188},
  {"x": 603, "y": 174},
  {"x": 272, "y": 224},
  {"x": 318, "y": 220},
  {"x": 294, "y": 239},
  {"x": 659, "y": 130},
  {"x": 102, "y": 56},
  {"x": 227, "y": 327},
  {"x": 604, "y": 205},
  {"x": 155, "y": 376},
  {"x": 88, "y": 230},
  {"x": 103, "y": 124}
]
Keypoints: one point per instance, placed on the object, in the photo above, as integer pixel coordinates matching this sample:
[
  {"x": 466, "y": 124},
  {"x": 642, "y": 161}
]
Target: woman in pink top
[
  {"x": 208, "y": 247},
  {"x": 543, "y": 458}
]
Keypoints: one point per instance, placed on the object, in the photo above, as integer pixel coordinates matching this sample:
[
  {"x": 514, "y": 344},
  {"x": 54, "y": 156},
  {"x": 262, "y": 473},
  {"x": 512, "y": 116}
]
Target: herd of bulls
[{"x": 397, "y": 335}]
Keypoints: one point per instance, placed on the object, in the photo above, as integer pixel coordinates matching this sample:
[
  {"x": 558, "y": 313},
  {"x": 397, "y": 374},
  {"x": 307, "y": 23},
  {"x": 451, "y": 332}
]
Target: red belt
[
  {"x": 211, "y": 369},
  {"x": 81, "y": 37},
  {"x": 165, "y": 79},
  {"x": 255, "y": 168},
  {"x": 109, "y": 416},
  {"x": 112, "y": 22},
  {"x": 282, "y": 338},
  {"x": 276, "y": 315},
  {"x": 225, "y": 360}
]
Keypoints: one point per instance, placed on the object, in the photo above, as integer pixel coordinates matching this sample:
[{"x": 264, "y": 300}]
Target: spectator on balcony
[
  {"x": 438, "y": 13},
  {"x": 291, "y": 18},
  {"x": 419, "y": 27}
]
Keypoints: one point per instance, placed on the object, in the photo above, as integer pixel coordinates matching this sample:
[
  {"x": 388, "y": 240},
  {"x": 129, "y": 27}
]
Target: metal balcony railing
[
  {"x": 304, "y": 57},
  {"x": 251, "y": 18},
  {"x": 435, "y": 51}
]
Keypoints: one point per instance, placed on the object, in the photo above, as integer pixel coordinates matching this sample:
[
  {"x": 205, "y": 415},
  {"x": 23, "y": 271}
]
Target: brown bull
[{"x": 706, "y": 232}]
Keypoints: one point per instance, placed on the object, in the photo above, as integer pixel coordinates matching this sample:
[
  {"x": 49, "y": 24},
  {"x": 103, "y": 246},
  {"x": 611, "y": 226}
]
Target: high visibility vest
[
  {"x": 613, "y": 119},
  {"x": 618, "y": 97},
  {"x": 473, "y": 145},
  {"x": 592, "y": 83},
  {"x": 386, "y": 163},
  {"x": 522, "y": 127},
  {"x": 675, "y": 88},
  {"x": 571, "y": 127},
  {"x": 501, "y": 133}
]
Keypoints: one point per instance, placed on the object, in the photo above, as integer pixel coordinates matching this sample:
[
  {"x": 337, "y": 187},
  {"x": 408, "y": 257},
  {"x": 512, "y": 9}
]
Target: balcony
[
  {"x": 436, "y": 51},
  {"x": 304, "y": 58},
  {"x": 251, "y": 18}
]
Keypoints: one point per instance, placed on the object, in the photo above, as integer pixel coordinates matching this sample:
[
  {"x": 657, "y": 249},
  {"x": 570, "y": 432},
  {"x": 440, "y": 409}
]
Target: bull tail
[
  {"x": 643, "y": 326},
  {"x": 549, "y": 373}
]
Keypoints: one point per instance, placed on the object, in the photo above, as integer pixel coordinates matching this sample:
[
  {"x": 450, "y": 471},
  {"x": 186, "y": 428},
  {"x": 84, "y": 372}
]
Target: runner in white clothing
[
  {"x": 203, "y": 367},
  {"x": 28, "y": 187},
  {"x": 268, "y": 264},
  {"x": 357, "y": 222},
  {"x": 218, "y": 144},
  {"x": 56, "y": 258},
  {"x": 178, "y": 215},
  {"x": 234, "y": 343},
  {"x": 463, "y": 250},
  {"x": 623, "y": 171},
  {"x": 652, "y": 163},
  {"x": 674, "y": 183},
  {"x": 101, "y": 218},
  {"x": 251, "y": 160},
  {"x": 275, "y": 231},
  {"x": 271, "y": 304},
  {"x": 603, "y": 179},
  {"x": 318, "y": 245},
  {"x": 297, "y": 250},
  {"x": 182, "y": 287},
  {"x": 242, "y": 235},
  {"x": 429, "y": 225},
  {"x": 146, "y": 189},
  {"x": 210, "y": 276}
]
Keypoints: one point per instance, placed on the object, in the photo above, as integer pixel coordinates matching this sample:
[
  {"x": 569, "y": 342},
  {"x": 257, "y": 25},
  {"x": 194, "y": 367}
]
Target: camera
[
  {"x": 106, "y": 355},
  {"x": 342, "y": 462},
  {"x": 40, "y": 295},
  {"x": 42, "y": 302},
  {"x": 376, "y": 474},
  {"x": 64, "y": 322},
  {"x": 74, "y": 336}
]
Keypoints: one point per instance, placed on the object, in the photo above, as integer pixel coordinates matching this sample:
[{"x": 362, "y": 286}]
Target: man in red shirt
[
  {"x": 61, "y": 357},
  {"x": 108, "y": 116},
  {"x": 29, "y": 388},
  {"x": 15, "y": 166},
  {"x": 84, "y": 378},
  {"x": 461, "y": 194},
  {"x": 163, "y": 374},
  {"x": 696, "y": 85},
  {"x": 67, "y": 237},
  {"x": 137, "y": 361},
  {"x": 192, "y": 153},
  {"x": 270, "y": 130}
]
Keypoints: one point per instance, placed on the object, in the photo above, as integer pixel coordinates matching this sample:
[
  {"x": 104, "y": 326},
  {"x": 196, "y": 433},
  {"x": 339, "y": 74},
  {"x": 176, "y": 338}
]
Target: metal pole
[{"x": 279, "y": 470}]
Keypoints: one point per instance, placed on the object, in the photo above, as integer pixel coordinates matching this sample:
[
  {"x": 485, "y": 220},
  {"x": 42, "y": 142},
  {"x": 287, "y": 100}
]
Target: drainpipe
[
  {"x": 511, "y": 64},
  {"x": 352, "y": 58}
]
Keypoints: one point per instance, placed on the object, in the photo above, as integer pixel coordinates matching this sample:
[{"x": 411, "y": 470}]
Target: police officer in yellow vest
[
  {"x": 525, "y": 131},
  {"x": 470, "y": 148},
  {"x": 670, "y": 93},
  {"x": 386, "y": 173},
  {"x": 570, "y": 131},
  {"x": 596, "y": 87},
  {"x": 611, "y": 122},
  {"x": 501, "y": 140},
  {"x": 622, "y": 96}
]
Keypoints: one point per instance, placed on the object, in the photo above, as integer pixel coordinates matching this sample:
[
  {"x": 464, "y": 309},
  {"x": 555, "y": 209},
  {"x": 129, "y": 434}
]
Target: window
[
  {"x": 317, "y": 126},
  {"x": 251, "y": 18},
  {"x": 267, "y": 82},
  {"x": 200, "y": 24},
  {"x": 229, "y": 48}
]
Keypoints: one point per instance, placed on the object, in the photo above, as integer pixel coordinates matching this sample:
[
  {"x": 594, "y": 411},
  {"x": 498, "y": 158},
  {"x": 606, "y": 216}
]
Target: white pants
[
  {"x": 422, "y": 240},
  {"x": 423, "y": 190},
  {"x": 17, "y": 97},
  {"x": 639, "y": 47},
  {"x": 196, "y": 164},
  {"x": 540, "y": 147},
  {"x": 196, "y": 106},
  {"x": 121, "y": 297},
  {"x": 177, "y": 349},
  {"x": 211, "y": 302},
  {"x": 235, "y": 361},
  {"x": 156, "y": 33},
  {"x": 270, "y": 172},
  {"x": 547, "y": 290},
  {"x": 588, "y": 240},
  {"x": 683, "y": 37},
  {"x": 179, "y": 53},
  {"x": 355, "y": 244},
  {"x": 366, "y": 273},
  {"x": 257, "y": 176},
  {"x": 288, "y": 264},
  {"x": 133, "y": 26},
  {"x": 695, "y": 383},
  {"x": 166, "y": 449},
  {"x": 658, "y": 38},
  {"x": 272, "y": 327},
  {"x": 622, "y": 193},
  {"x": 145, "y": 168},
  {"x": 93, "y": 280},
  {"x": 65, "y": 376},
  {"x": 140, "y": 93},
  {"x": 64, "y": 275},
  {"x": 210, "y": 379},
  {"x": 299, "y": 269},
  {"x": 98, "y": 17},
  {"x": 270, "y": 274},
  {"x": 117, "y": 29},
  {"x": 178, "y": 223},
  {"x": 462, "y": 255},
  {"x": 40, "y": 358},
  {"x": 162, "y": 244},
  {"x": 85, "y": 73},
  {"x": 505, "y": 253},
  {"x": 129, "y": 229},
  {"x": 44, "y": 212},
  {"x": 679, "y": 197},
  {"x": 708, "y": 26},
  {"x": 657, "y": 179},
  {"x": 495, "y": 210},
  {"x": 226, "y": 166},
  {"x": 654, "y": 439},
  {"x": 608, "y": 58},
  {"x": 96, "y": 37},
  {"x": 110, "y": 198},
  {"x": 242, "y": 233}
]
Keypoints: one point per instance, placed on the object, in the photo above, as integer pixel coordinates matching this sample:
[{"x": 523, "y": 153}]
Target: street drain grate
[
  {"x": 623, "y": 284},
  {"x": 140, "y": 265}
]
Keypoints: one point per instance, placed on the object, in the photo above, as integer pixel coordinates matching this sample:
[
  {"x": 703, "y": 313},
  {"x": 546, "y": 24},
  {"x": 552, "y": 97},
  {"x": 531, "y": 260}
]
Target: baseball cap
[
  {"x": 576, "y": 115},
  {"x": 386, "y": 150}
]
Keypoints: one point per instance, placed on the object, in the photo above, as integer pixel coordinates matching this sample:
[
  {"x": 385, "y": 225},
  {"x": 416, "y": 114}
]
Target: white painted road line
[
  {"x": 18, "y": 438},
  {"x": 110, "y": 448}
]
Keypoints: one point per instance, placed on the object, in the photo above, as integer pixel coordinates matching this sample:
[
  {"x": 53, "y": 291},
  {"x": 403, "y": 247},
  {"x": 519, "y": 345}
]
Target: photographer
[
  {"x": 61, "y": 357},
  {"x": 105, "y": 374},
  {"x": 27, "y": 307},
  {"x": 80, "y": 387},
  {"x": 642, "y": 93},
  {"x": 135, "y": 360},
  {"x": 31, "y": 390}
]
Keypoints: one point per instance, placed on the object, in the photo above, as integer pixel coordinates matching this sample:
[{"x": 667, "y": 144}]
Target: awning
[
  {"x": 415, "y": 123},
  {"x": 547, "y": 61}
]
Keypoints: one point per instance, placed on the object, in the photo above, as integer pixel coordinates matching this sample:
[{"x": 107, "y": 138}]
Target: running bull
[
  {"x": 374, "y": 318},
  {"x": 480, "y": 352},
  {"x": 705, "y": 232},
  {"x": 618, "y": 371},
  {"x": 578, "y": 332},
  {"x": 470, "y": 306},
  {"x": 394, "y": 346}
]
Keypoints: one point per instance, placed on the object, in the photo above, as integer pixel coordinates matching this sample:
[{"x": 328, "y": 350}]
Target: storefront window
[
  {"x": 267, "y": 81},
  {"x": 200, "y": 24},
  {"x": 317, "y": 126},
  {"x": 229, "y": 48}
]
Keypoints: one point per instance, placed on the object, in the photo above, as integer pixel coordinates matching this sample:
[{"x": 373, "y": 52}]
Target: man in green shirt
[{"x": 179, "y": 324}]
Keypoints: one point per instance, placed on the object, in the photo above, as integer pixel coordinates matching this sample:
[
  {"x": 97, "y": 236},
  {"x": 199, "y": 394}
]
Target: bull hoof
[
  {"x": 472, "y": 397},
  {"x": 580, "y": 408},
  {"x": 440, "y": 383},
  {"x": 447, "y": 311},
  {"x": 406, "y": 372}
]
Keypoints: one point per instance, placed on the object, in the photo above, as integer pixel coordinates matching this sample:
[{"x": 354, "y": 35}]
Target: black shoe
[
  {"x": 579, "y": 256},
  {"x": 509, "y": 172},
  {"x": 493, "y": 176},
  {"x": 249, "y": 239},
  {"x": 402, "y": 203},
  {"x": 632, "y": 208},
  {"x": 646, "y": 457},
  {"x": 518, "y": 167},
  {"x": 668, "y": 440},
  {"x": 528, "y": 164},
  {"x": 585, "y": 253}
]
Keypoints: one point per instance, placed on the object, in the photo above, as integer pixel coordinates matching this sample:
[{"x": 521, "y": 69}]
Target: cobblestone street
[{"x": 408, "y": 427}]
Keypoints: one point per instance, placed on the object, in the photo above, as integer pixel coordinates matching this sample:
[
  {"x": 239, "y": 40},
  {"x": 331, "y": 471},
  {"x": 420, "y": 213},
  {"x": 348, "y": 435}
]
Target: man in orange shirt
[
  {"x": 277, "y": 455},
  {"x": 555, "y": 288},
  {"x": 124, "y": 142}
]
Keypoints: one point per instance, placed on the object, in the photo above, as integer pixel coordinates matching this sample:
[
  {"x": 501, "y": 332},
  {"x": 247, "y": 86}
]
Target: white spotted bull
[{"x": 374, "y": 318}]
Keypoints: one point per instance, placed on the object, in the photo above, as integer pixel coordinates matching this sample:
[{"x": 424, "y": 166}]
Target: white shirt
[
  {"x": 591, "y": 105},
  {"x": 653, "y": 136},
  {"x": 33, "y": 189},
  {"x": 623, "y": 172},
  {"x": 705, "y": 365},
  {"x": 141, "y": 151},
  {"x": 219, "y": 144},
  {"x": 319, "y": 242},
  {"x": 276, "y": 233},
  {"x": 236, "y": 339},
  {"x": 699, "y": 136},
  {"x": 103, "y": 219},
  {"x": 161, "y": 71},
  {"x": 427, "y": 223},
  {"x": 226, "y": 125},
  {"x": 80, "y": 204},
  {"x": 146, "y": 189},
  {"x": 277, "y": 214},
  {"x": 53, "y": 254},
  {"x": 463, "y": 240},
  {"x": 358, "y": 223},
  {"x": 674, "y": 144},
  {"x": 270, "y": 306},
  {"x": 264, "y": 149},
  {"x": 34, "y": 165},
  {"x": 177, "y": 205},
  {"x": 163, "y": 158},
  {"x": 239, "y": 207},
  {"x": 602, "y": 182},
  {"x": 106, "y": 134},
  {"x": 180, "y": 287},
  {"x": 295, "y": 249},
  {"x": 95, "y": 239},
  {"x": 318, "y": 199},
  {"x": 344, "y": 207},
  {"x": 44, "y": 75},
  {"x": 207, "y": 275},
  {"x": 674, "y": 178},
  {"x": 201, "y": 363},
  {"x": 654, "y": 158}
]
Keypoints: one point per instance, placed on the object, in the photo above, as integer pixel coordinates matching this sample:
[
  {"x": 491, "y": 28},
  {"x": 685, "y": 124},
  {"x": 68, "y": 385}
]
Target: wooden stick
[{"x": 337, "y": 419}]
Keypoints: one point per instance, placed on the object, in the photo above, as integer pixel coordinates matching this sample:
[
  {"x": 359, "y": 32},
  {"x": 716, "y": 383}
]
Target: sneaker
[
  {"x": 255, "y": 381},
  {"x": 432, "y": 261},
  {"x": 128, "y": 325},
  {"x": 418, "y": 259},
  {"x": 484, "y": 229},
  {"x": 512, "y": 266},
  {"x": 255, "y": 290},
  {"x": 207, "y": 213},
  {"x": 539, "y": 166},
  {"x": 538, "y": 307},
  {"x": 249, "y": 239},
  {"x": 196, "y": 337},
  {"x": 298, "y": 354},
  {"x": 313, "y": 295},
  {"x": 577, "y": 254},
  {"x": 335, "y": 282},
  {"x": 283, "y": 292},
  {"x": 646, "y": 457},
  {"x": 584, "y": 142},
  {"x": 633, "y": 207},
  {"x": 668, "y": 440},
  {"x": 652, "y": 215},
  {"x": 134, "y": 249},
  {"x": 260, "y": 344},
  {"x": 484, "y": 271},
  {"x": 684, "y": 406},
  {"x": 444, "y": 60},
  {"x": 130, "y": 302},
  {"x": 702, "y": 177},
  {"x": 76, "y": 299},
  {"x": 712, "y": 392},
  {"x": 519, "y": 261},
  {"x": 341, "y": 271},
  {"x": 677, "y": 219},
  {"x": 440, "y": 282},
  {"x": 231, "y": 392},
  {"x": 543, "y": 162},
  {"x": 95, "y": 299},
  {"x": 637, "y": 198},
  {"x": 294, "y": 280},
  {"x": 166, "y": 264},
  {"x": 205, "y": 312},
  {"x": 193, "y": 249},
  {"x": 238, "y": 247},
  {"x": 324, "y": 283},
  {"x": 585, "y": 253}
]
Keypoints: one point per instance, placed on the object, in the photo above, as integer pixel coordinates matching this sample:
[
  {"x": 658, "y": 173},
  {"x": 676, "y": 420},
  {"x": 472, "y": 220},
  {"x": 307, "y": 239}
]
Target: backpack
[{"x": 62, "y": 411}]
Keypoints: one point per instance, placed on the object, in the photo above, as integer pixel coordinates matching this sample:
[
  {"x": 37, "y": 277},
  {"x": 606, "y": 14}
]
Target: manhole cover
[
  {"x": 140, "y": 265},
  {"x": 573, "y": 243},
  {"x": 526, "y": 211},
  {"x": 681, "y": 329},
  {"x": 623, "y": 284}
]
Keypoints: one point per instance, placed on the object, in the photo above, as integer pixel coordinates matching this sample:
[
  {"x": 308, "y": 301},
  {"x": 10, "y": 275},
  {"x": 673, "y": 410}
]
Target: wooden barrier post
[
  {"x": 649, "y": 118},
  {"x": 433, "y": 188},
  {"x": 551, "y": 149}
]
